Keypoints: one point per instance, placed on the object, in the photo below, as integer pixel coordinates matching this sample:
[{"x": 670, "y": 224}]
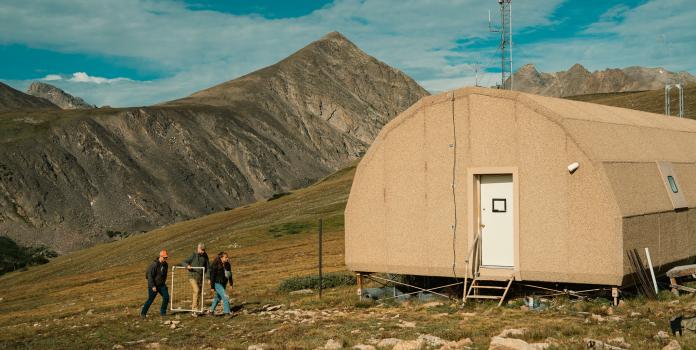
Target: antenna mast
[{"x": 505, "y": 42}]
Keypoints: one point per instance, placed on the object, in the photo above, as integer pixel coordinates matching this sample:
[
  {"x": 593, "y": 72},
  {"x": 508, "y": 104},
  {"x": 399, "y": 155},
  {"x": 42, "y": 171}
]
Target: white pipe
[{"x": 652, "y": 272}]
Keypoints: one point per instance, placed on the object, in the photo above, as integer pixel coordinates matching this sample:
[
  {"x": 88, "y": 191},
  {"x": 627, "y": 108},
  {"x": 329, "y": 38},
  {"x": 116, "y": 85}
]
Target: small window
[
  {"x": 499, "y": 205},
  {"x": 672, "y": 184}
]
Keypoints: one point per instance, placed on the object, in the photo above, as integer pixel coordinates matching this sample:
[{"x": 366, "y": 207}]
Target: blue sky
[{"x": 139, "y": 52}]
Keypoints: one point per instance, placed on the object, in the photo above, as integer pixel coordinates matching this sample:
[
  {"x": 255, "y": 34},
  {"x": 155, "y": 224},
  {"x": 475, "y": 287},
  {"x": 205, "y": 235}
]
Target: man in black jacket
[
  {"x": 157, "y": 283},
  {"x": 199, "y": 258}
]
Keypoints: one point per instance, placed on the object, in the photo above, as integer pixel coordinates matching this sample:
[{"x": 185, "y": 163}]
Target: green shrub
[
  {"x": 330, "y": 280},
  {"x": 288, "y": 228},
  {"x": 16, "y": 257}
]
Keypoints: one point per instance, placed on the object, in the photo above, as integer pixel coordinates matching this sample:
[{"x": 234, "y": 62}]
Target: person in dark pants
[
  {"x": 157, "y": 283},
  {"x": 220, "y": 274}
]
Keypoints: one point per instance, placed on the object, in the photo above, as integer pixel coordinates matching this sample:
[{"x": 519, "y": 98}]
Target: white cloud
[
  {"x": 82, "y": 77},
  {"x": 52, "y": 77},
  {"x": 656, "y": 34},
  {"x": 209, "y": 47}
]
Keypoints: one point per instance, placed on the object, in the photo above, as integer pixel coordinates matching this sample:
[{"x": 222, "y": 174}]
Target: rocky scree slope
[
  {"x": 579, "y": 81},
  {"x": 57, "y": 96},
  {"x": 72, "y": 178}
]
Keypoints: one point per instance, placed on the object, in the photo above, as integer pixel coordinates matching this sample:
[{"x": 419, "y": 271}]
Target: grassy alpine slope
[
  {"x": 649, "y": 101},
  {"x": 91, "y": 298}
]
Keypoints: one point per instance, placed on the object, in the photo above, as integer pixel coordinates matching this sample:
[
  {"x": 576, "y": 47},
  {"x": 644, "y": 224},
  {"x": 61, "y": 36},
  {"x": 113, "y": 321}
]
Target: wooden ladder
[{"x": 476, "y": 286}]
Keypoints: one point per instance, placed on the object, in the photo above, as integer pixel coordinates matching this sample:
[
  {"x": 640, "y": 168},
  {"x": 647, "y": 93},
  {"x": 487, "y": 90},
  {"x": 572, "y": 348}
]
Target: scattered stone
[
  {"x": 388, "y": 343},
  {"x": 262, "y": 346},
  {"x": 598, "y": 318},
  {"x": 610, "y": 311},
  {"x": 500, "y": 343},
  {"x": 431, "y": 340},
  {"x": 274, "y": 307},
  {"x": 364, "y": 347},
  {"x": 620, "y": 342},
  {"x": 407, "y": 324},
  {"x": 432, "y": 304},
  {"x": 662, "y": 337},
  {"x": 167, "y": 322},
  {"x": 333, "y": 344},
  {"x": 90, "y": 312},
  {"x": 673, "y": 345},
  {"x": 172, "y": 326},
  {"x": 302, "y": 291},
  {"x": 118, "y": 346},
  {"x": 176, "y": 322},
  {"x": 135, "y": 342},
  {"x": 416, "y": 344},
  {"x": 468, "y": 314},
  {"x": 152, "y": 346},
  {"x": 458, "y": 345},
  {"x": 517, "y": 332},
  {"x": 598, "y": 344},
  {"x": 634, "y": 314}
]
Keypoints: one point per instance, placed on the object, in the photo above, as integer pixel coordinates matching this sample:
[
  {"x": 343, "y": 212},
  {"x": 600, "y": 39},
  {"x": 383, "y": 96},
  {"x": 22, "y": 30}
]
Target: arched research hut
[{"x": 558, "y": 190}]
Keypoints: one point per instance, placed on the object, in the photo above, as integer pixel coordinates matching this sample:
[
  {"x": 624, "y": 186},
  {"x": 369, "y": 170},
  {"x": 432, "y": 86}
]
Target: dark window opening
[
  {"x": 499, "y": 205},
  {"x": 672, "y": 184}
]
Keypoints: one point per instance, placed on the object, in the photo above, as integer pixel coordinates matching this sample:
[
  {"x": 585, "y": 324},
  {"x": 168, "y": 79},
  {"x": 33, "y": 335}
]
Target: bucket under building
[{"x": 557, "y": 190}]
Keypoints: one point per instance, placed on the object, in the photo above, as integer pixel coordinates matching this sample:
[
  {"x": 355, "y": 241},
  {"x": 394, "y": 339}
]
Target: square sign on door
[{"x": 499, "y": 205}]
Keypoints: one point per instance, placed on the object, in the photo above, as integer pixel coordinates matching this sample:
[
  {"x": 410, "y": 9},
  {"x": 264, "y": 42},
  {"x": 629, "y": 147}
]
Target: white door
[{"x": 497, "y": 221}]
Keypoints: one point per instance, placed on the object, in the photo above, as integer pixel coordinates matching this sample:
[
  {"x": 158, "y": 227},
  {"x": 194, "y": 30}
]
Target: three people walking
[{"x": 220, "y": 273}]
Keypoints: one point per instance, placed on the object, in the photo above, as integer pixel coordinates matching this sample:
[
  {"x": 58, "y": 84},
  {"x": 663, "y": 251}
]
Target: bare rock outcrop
[
  {"x": 57, "y": 96},
  {"x": 579, "y": 81}
]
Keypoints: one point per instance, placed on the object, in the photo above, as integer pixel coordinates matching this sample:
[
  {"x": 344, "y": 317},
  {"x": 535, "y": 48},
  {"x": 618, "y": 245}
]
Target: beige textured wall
[{"x": 400, "y": 210}]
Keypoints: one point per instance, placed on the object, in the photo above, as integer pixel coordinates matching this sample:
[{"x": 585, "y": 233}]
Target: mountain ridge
[
  {"x": 72, "y": 178},
  {"x": 577, "y": 80}
]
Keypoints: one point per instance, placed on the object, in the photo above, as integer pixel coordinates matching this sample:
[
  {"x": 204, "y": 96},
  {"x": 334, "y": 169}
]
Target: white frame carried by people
[{"x": 173, "y": 294}]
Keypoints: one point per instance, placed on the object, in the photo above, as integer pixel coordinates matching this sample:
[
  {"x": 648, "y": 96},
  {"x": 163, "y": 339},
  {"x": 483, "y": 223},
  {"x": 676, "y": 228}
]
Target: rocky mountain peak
[
  {"x": 579, "y": 81},
  {"x": 330, "y": 79},
  {"x": 57, "y": 96},
  {"x": 578, "y": 69}
]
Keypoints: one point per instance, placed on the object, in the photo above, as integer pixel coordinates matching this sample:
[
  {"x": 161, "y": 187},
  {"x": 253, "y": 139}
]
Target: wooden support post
[
  {"x": 673, "y": 283},
  {"x": 358, "y": 278},
  {"x": 615, "y": 295},
  {"x": 321, "y": 256}
]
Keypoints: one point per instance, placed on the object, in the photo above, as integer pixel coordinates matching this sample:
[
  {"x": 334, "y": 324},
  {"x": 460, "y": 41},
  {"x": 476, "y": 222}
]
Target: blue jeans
[
  {"x": 151, "y": 297},
  {"x": 220, "y": 295}
]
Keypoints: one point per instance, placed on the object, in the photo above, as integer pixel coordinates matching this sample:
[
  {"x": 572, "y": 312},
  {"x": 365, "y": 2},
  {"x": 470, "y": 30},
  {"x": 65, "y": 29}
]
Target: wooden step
[
  {"x": 487, "y": 287},
  {"x": 484, "y": 297}
]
